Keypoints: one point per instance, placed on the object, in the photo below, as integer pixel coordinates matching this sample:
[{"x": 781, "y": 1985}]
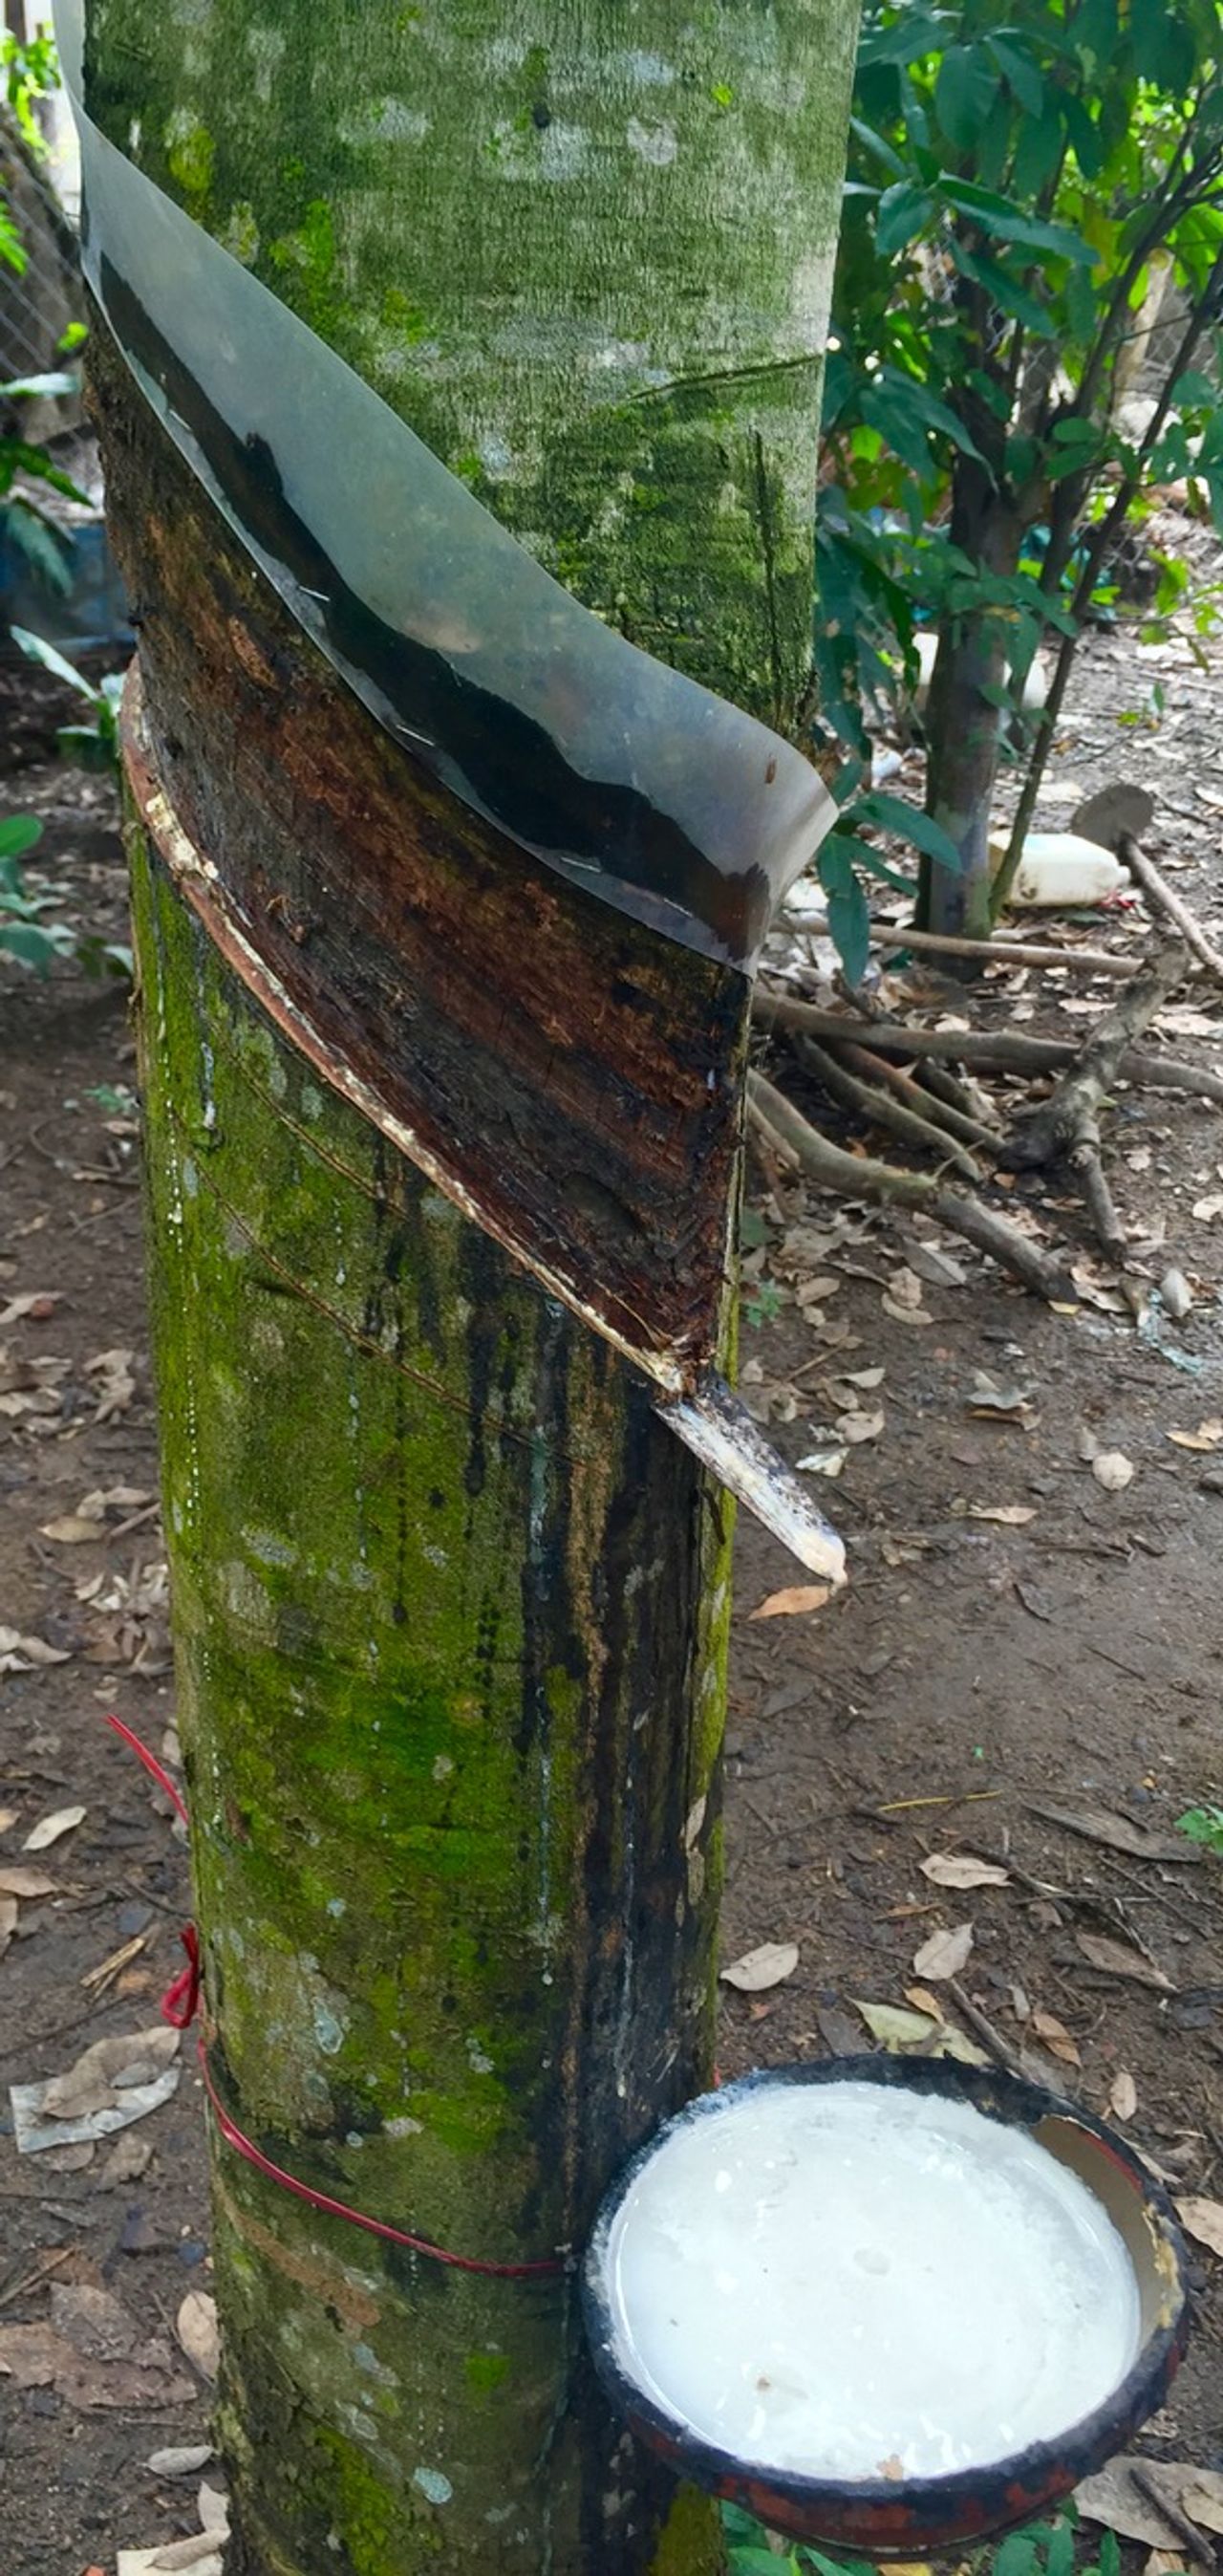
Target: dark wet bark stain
[{"x": 569, "y": 1068}]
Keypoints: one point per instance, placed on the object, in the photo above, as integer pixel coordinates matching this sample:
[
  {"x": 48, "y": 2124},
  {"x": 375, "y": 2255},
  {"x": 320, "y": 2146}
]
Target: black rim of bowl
[{"x": 972, "y": 2500}]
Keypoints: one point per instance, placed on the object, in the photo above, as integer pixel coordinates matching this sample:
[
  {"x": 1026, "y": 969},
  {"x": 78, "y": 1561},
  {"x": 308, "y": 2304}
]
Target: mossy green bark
[
  {"x": 450, "y": 1623},
  {"x": 584, "y": 249}
]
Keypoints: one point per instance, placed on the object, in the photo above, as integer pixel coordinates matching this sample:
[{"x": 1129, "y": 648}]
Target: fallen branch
[
  {"x": 869, "y": 1101},
  {"x": 858, "y": 1176},
  {"x": 998, "y": 1050},
  {"x": 960, "y": 1092},
  {"x": 1162, "y": 899},
  {"x": 955, "y": 1091},
  {"x": 990, "y": 952},
  {"x": 1066, "y": 1126},
  {"x": 925, "y": 1104},
  {"x": 1002, "y": 952}
]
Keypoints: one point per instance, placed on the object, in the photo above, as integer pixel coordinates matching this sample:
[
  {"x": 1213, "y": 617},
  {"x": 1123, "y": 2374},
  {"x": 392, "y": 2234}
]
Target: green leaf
[
  {"x": 1110, "y": 2554},
  {"x": 916, "y": 32},
  {"x": 1005, "y": 289},
  {"x": 894, "y": 815},
  {"x": 1095, "y": 30},
  {"x": 1074, "y": 431},
  {"x": 37, "y": 649},
  {"x": 826, "y": 2566},
  {"x": 739, "y": 2525},
  {"x": 868, "y": 857},
  {"x": 87, "y": 745},
  {"x": 1163, "y": 45},
  {"x": 850, "y": 926},
  {"x": 18, "y": 832},
  {"x": 902, "y": 213},
  {"x": 1036, "y": 153},
  {"x": 886, "y": 409},
  {"x": 1194, "y": 390},
  {"x": 1082, "y": 307},
  {"x": 964, "y": 94},
  {"x": 39, "y": 542},
  {"x": 34, "y": 947},
  {"x": 1203, "y": 1825},
  {"x": 878, "y": 146},
  {"x": 759, "y": 2562},
  {"x": 1059, "y": 2557},
  {"x": 1008, "y": 222},
  {"x": 1016, "y": 2557},
  {"x": 937, "y": 415},
  {"x": 1020, "y": 74},
  {"x": 1088, "y": 144}
]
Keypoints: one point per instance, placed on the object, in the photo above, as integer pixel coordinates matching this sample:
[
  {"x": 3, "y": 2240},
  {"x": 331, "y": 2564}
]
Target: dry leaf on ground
[
  {"x": 1203, "y": 2220},
  {"x": 823, "y": 1462},
  {"x": 1207, "y": 1436},
  {"x": 1117, "y": 1833},
  {"x": 198, "y": 2332},
  {"x": 49, "y": 1828},
  {"x": 906, "y": 1314},
  {"x": 1115, "y": 2498},
  {"x": 212, "y": 2506},
  {"x": 20, "y": 1654},
  {"x": 936, "y": 1267},
  {"x": 73, "y": 1530},
  {"x": 1116, "y": 1959},
  {"x": 115, "y": 1383},
  {"x": 142, "y": 2375},
  {"x": 200, "y": 2550},
  {"x": 769, "y": 1965},
  {"x": 918, "y": 2034},
  {"x": 857, "y": 1427},
  {"x": 1054, "y": 2035},
  {"x": 128, "y": 2159},
  {"x": 1010, "y": 1515},
  {"x": 990, "y": 1402},
  {"x": 1112, "y": 1469},
  {"x": 25, "y": 1882},
  {"x": 109, "y": 2068},
  {"x": 1202, "y": 2499},
  {"x": 959, "y": 1869},
  {"x": 796, "y": 1598},
  {"x": 182, "y": 2461},
  {"x": 896, "y": 2028},
  {"x": 1123, "y": 2095},
  {"x": 945, "y": 1953},
  {"x": 35, "y": 1307},
  {"x": 112, "y": 2084},
  {"x": 202, "y": 2556}
]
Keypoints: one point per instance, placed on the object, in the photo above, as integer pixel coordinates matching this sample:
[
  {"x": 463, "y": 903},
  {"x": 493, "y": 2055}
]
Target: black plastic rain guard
[{"x": 655, "y": 795}]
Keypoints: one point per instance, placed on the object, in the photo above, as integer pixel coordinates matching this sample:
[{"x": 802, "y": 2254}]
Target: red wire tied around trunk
[{"x": 179, "y": 2006}]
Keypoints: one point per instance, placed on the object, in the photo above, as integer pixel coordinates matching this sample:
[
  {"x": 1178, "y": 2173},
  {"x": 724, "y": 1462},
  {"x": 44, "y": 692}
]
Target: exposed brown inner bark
[{"x": 568, "y": 1069}]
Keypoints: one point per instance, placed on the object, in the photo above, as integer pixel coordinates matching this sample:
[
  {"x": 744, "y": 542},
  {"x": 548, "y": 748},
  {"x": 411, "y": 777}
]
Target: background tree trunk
[
  {"x": 964, "y": 720},
  {"x": 450, "y": 1601}
]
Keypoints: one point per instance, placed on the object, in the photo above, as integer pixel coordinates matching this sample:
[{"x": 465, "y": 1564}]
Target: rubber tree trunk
[
  {"x": 450, "y": 1601},
  {"x": 964, "y": 719}
]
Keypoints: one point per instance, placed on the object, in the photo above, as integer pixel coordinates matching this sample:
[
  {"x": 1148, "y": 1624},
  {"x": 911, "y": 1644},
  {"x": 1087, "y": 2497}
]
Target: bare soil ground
[{"x": 977, "y": 1672}]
